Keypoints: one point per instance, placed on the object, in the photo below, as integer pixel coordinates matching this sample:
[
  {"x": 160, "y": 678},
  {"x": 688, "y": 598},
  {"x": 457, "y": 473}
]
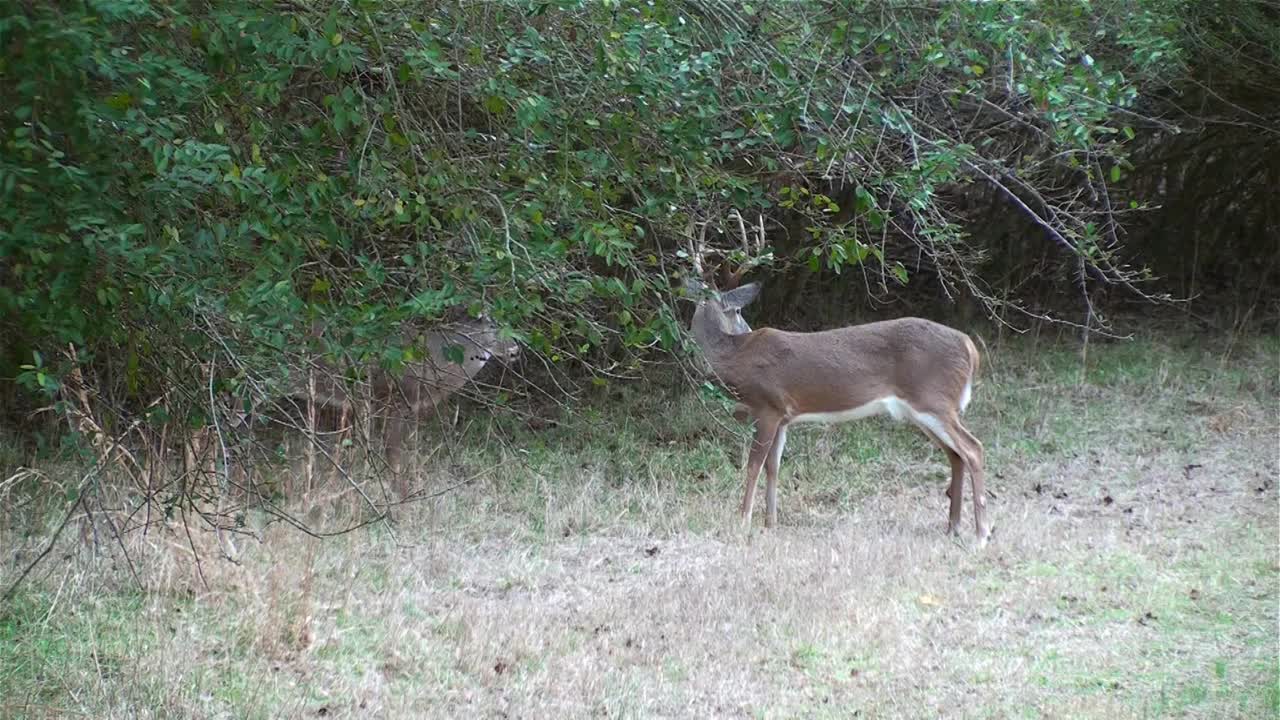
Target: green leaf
[
  {"x": 120, "y": 101},
  {"x": 455, "y": 354}
]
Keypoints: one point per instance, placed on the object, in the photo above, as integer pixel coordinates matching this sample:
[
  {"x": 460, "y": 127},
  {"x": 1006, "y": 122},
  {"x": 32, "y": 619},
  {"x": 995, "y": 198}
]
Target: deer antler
[
  {"x": 751, "y": 255},
  {"x": 752, "y": 249},
  {"x": 697, "y": 248},
  {"x": 742, "y": 228}
]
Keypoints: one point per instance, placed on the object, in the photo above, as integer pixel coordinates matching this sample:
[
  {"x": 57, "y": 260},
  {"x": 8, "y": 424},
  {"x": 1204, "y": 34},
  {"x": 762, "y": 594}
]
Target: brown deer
[
  {"x": 424, "y": 384},
  {"x": 913, "y": 369}
]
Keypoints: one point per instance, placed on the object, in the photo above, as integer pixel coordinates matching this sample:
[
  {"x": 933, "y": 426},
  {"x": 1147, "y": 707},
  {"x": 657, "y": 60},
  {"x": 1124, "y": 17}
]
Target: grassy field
[{"x": 595, "y": 568}]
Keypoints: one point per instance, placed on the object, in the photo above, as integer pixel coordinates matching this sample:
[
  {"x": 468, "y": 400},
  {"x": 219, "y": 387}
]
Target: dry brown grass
[{"x": 1133, "y": 573}]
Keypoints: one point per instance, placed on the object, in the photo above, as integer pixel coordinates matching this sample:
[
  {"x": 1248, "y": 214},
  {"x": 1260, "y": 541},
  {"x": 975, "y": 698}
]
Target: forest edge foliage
[{"x": 186, "y": 187}]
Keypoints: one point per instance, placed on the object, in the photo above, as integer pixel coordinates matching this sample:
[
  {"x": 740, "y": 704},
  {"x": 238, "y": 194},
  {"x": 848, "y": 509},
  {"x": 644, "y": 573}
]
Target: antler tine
[
  {"x": 742, "y": 230},
  {"x": 693, "y": 250},
  {"x": 698, "y": 247}
]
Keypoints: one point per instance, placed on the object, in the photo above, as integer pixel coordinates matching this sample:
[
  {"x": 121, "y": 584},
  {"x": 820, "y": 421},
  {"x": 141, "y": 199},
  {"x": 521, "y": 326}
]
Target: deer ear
[{"x": 740, "y": 297}]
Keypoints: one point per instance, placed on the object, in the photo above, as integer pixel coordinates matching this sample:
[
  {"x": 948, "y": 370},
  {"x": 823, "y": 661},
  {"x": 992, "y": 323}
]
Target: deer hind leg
[
  {"x": 975, "y": 459},
  {"x": 945, "y": 431},
  {"x": 771, "y": 475},
  {"x": 339, "y": 441},
  {"x": 394, "y": 437},
  {"x": 962, "y": 442},
  {"x": 766, "y": 431},
  {"x": 955, "y": 491}
]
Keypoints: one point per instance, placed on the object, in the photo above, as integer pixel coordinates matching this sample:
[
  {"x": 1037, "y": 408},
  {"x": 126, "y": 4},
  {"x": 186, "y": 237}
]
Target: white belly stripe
[{"x": 895, "y": 407}]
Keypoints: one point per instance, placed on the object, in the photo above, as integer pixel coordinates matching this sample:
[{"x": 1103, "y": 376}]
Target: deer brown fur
[{"x": 913, "y": 369}]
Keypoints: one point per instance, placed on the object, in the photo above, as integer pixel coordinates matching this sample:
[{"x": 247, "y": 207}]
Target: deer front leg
[{"x": 766, "y": 430}]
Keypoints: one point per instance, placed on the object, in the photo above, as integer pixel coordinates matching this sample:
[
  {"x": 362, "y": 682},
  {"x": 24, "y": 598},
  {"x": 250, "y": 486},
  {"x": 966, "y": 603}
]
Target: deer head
[{"x": 719, "y": 310}]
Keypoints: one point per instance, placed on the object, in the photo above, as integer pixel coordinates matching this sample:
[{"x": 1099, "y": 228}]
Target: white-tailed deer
[
  {"x": 424, "y": 384},
  {"x": 914, "y": 370}
]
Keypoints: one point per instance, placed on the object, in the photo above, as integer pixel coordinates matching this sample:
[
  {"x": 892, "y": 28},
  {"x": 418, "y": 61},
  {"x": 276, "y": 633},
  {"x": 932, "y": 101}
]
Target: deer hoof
[{"x": 984, "y": 536}]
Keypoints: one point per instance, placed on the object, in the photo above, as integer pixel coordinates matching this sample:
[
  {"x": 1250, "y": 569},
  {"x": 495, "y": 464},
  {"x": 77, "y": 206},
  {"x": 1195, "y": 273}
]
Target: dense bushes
[{"x": 185, "y": 186}]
